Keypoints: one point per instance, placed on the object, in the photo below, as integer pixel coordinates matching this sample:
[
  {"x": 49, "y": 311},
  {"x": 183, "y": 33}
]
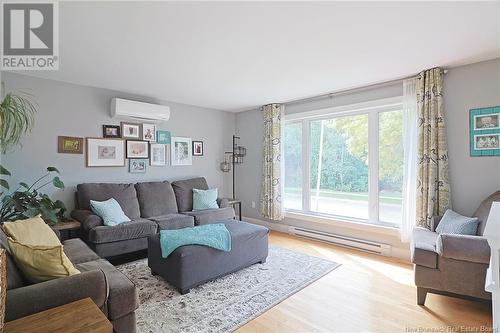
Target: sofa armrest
[
  {"x": 464, "y": 247},
  {"x": 24, "y": 301},
  {"x": 208, "y": 216},
  {"x": 87, "y": 218},
  {"x": 223, "y": 202}
]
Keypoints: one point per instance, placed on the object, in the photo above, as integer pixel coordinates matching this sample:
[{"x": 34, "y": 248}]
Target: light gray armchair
[{"x": 453, "y": 265}]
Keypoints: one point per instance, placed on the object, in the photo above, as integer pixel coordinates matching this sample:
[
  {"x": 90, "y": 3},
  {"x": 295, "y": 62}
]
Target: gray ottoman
[{"x": 191, "y": 265}]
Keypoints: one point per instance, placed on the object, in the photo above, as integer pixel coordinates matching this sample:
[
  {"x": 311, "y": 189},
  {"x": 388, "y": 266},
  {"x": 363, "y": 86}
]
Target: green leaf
[
  {"x": 23, "y": 184},
  {"x": 4, "y": 171},
  {"x": 58, "y": 182},
  {"x": 52, "y": 169},
  {"x": 4, "y": 184}
]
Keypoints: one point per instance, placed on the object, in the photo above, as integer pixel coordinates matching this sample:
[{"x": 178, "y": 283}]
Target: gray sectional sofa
[{"x": 151, "y": 206}]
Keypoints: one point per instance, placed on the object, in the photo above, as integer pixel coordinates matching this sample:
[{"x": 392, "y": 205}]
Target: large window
[{"x": 347, "y": 164}]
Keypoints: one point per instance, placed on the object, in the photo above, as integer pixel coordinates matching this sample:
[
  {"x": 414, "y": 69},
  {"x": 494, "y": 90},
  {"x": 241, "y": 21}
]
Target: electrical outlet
[{"x": 253, "y": 204}]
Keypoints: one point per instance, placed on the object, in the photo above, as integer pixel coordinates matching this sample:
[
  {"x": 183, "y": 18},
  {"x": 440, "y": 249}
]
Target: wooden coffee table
[{"x": 79, "y": 316}]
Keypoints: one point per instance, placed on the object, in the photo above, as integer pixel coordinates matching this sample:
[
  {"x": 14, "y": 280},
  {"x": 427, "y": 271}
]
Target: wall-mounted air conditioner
[{"x": 127, "y": 109}]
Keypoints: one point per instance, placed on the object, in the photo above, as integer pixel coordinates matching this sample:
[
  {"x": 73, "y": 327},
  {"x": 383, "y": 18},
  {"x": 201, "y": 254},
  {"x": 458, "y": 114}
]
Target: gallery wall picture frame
[
  {"x": 149, "y": 132},
  {"x": 111, "y": 131},
  {"x": 157, "y": 154},
  {"x": 104, "y": 152},
  {"x": 137, "y": 149},
  {"x": 131, "y": 131},
  {"x": 69, "y": 145},
  {"x": 197, "y": 148},
  {"x": 181, "y": 151},
  {"x": 484, "y": 128},
  {"x": 137, "y": 165},
  {"x": 163, "y": 137}
]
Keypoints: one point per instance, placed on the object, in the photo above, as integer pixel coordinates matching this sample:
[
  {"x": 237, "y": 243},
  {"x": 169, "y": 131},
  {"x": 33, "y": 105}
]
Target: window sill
[{"x": 344, "y": 223}]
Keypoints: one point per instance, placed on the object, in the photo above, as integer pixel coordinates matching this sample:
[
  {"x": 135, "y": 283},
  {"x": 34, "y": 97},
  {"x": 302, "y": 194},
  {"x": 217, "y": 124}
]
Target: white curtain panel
[{"x": 410, "y": 158}]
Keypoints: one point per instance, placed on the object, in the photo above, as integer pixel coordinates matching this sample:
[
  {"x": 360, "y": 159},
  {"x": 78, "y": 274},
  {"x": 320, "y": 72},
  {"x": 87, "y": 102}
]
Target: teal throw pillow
[
  {"x": 110, "y": 211},
  {"x": 454, "y": 223},
  {"x": 204, "y": 199}
]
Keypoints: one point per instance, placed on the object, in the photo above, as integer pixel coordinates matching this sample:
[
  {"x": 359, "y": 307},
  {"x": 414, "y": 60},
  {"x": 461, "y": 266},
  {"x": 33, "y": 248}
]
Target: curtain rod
[{"x": 352, "y": 90}]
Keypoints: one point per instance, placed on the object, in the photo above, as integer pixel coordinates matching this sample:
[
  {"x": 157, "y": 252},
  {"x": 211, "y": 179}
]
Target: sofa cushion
[
  {"x": 128, "y": 230},
  {"x": 123, "y": 298},
  {"x": 173, "y": 221},
  {"x": 423, "y": 248},
  {"x": 77, "y": 251},
  {"x": 184, "y": 192},
  {"x": 15, "y": 277},
  {"x": 454, "y": 223},
  {"x": 483, "y": 211},
  {"x": 125, "y": 194},
  {"x": 208, "y": 216},
  {"x": 156, "y": 198}
]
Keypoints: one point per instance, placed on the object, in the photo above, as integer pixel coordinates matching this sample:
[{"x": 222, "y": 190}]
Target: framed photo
[
  {"x": 105, "y": 152},
  {"x": 69, "y": 145},
  {"x": 158, "y": 155},
  {"x": 111, "y": 131},
  {"x": 484, "y": 127},
  {"x": 137, "y": 149},
  {"x": 137, "y": 165},
  {"x": 149, "y": 132},
  {"x": 181, "y": 151},
  {"x": 197, "y": 148},
  {"x": 130, "y": 131},
  {"x": 163, "y": 137},
  {"x": 486, "y": 122}
]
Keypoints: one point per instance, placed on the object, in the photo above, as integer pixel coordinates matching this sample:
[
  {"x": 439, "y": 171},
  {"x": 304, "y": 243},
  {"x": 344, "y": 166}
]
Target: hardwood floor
[{"x": 368, "y": 293}]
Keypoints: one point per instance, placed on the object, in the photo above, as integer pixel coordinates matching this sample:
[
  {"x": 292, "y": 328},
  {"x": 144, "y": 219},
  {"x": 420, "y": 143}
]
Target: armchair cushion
[
  {"x": 464, "y": 247},
  {"x": 41, "y": 296},
  {"x": 423, "y": 248},
  {"x": 138, "y": 228}
]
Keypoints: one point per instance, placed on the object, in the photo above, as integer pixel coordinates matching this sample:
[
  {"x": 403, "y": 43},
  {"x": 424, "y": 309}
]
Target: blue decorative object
[
  {"x": 163, "y": 137},
  {"x": 110, "y": 211},
  {"x": 454, "y": 223},
  {"x": 484, "y": 127},
  {"x": 213, "y": 235},
  {"x": 204, "y": 199}
]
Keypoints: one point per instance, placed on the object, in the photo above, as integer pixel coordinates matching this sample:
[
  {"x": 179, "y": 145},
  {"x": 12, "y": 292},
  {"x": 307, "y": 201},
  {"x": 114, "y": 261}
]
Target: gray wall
[
  {"x": 73, "y": 110},
  {"x": 472, "y": 178},
  {"x": 465, "y": 88}
]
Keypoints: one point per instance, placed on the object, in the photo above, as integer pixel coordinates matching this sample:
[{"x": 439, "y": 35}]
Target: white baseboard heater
[{"x": 350, "y": 242}]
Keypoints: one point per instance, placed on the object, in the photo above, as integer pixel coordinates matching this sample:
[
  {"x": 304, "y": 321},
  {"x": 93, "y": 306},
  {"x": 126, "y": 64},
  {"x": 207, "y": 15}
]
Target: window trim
[{"x": 372, "y": 110}]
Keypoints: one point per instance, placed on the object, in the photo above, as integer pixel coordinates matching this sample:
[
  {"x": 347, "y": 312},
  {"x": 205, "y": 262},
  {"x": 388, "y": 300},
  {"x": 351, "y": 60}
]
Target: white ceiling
[{"x": 237, "y": 55}]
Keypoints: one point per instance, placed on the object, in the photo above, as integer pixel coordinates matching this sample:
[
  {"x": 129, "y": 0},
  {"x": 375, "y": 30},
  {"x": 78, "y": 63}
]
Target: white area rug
[{"x": 227, "y": 303}]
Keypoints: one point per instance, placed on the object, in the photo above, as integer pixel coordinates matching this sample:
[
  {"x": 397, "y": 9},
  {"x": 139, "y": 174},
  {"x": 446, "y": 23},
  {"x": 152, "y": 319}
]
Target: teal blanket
[{"x": 213, "y": 235}]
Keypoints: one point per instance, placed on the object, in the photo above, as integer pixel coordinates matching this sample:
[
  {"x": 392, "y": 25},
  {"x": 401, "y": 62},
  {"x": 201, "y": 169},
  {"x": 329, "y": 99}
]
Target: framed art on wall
[
  {"x": 163, "y": 137},
  {"x": 130, "y": 131},
  {"x": 69, "y": 145},
  {"x": 105, "y": 152},
  {"x": 181, "y": 151},
  {"x": 149, "y": 132},
  {"x": 484, "y": 124},
  {"x": 137, "y": 165},
  {"x": 111, "y": 131},
  {"x": 158, "y": 154},
  {"x": 197, "y": 148},
  {"x": 137, "y": 149}
]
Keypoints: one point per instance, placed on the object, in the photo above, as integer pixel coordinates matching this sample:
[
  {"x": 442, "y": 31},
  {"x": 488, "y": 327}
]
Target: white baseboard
[{"x": 396, "y": 252}]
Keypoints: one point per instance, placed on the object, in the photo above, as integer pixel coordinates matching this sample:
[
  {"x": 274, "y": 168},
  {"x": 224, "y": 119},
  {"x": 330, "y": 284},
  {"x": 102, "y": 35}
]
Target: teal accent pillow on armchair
[
  {"x": 110, "y": 211},
  {"x": 454, "y": 223},
  {"x": 205, "y": 199}
]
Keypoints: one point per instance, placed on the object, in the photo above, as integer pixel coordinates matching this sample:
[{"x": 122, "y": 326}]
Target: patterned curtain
[
  {"x": 433, "y": 184},
  {"x": 270, "y": 201}
]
